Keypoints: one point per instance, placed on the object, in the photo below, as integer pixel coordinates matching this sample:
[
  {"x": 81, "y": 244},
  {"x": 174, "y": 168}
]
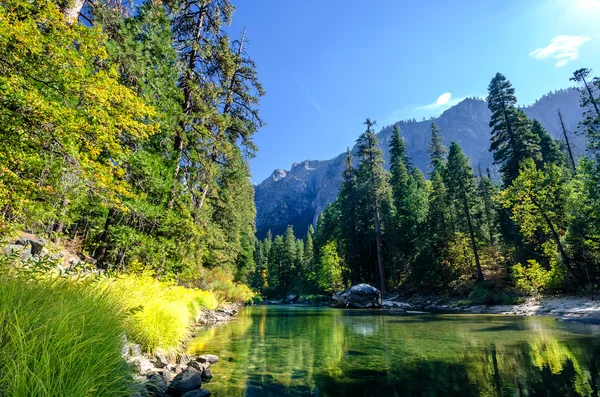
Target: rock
[
  {"x": 197, "y": 393},
  {"x": 291, "y": 299},
  {"x": 361, "y": 296},
  {"x": 142, "y": 365},
  {"x": 207, "y": 374},
  {"x": 160, "y": 358},
  {"x": 23, "y": 252},
  {"x": 183, "y": 359},
  {"x": 156, "y": 385},
  {"x": 134, "y": 349},
  {"x": 208, "y": 358},
  {"x": 188, "y": 380},
  {"x": 199, "y": 366}
]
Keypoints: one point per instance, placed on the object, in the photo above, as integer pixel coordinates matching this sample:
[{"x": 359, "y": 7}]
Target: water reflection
[{"x": 299, "y": 351}]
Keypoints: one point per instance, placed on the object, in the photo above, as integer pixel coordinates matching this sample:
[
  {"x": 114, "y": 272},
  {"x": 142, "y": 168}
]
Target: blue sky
[{"x": 328, "y": 64}]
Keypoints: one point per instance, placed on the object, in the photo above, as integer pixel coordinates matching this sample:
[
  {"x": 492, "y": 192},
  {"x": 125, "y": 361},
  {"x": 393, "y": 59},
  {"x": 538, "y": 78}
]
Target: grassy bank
[{"x": 62, "y": 334}]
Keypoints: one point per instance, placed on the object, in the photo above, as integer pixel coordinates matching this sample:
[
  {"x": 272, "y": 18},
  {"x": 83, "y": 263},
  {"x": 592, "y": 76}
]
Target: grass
[
  {"x": 59, "y": 338},
  {"x": 61, "y": 333},
  {"x": 159, "y": 314}
]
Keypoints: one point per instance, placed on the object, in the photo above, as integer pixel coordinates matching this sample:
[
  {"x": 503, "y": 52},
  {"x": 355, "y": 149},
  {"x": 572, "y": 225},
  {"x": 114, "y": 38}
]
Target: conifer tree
[
  {"x": 550, "y": 150},
  {"x": 462, "y": 191},
  {"x": 512, "y": 139},
  {"x": 348, "y": 205},
  {"x": 590, "y": 102},
  {"x": 372, "y": 180}
]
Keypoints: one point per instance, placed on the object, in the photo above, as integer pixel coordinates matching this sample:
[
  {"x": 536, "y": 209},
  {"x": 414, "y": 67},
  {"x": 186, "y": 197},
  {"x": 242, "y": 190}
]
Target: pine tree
[
  {"x": 309, "y": 251},
  {"x": 512, "y": 139},
  {"x": 462, "y": 190},
  {"x": 372, "y": 180},
  {"x": 550, "y": 150},
  {"x": 590, "y": 102},
  {"x": 437, "y": 150},
  {"x": 348, "y": 204}
]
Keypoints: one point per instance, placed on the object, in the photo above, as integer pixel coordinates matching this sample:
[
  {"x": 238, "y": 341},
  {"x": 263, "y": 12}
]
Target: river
[{"x": 312, "y": 351}]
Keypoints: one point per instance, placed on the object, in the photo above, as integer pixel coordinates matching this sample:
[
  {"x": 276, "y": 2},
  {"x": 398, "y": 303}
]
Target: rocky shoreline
[
  {"x": 567, "y": 308},
  {"x": 182, "y": 375}
]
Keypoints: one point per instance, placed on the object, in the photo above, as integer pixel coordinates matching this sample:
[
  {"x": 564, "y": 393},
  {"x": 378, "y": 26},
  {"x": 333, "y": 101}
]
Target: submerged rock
[{"x": 361, "y": 296}]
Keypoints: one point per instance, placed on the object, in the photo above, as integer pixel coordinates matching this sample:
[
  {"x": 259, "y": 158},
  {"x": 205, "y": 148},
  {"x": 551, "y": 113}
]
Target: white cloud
[
  {"x": 444, "y": 101},
  {"x": 562, "y": 48},
  {"x": 310, "y": 98},
  {"x": 444, "y": 98}
]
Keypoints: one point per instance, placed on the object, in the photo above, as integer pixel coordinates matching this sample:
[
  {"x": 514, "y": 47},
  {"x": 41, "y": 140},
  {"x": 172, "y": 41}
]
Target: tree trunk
[
  {"x": 379, "y": 248},
  {"x": 564, "y": 131},
  {"x": 591, "y": 94},
  {"x": 479, "y": 272},
  {"x": 71, "y": 9}
]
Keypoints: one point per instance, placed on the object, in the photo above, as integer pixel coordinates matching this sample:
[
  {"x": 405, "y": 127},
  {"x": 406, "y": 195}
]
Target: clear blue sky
[{"x": 328, "y": 64}]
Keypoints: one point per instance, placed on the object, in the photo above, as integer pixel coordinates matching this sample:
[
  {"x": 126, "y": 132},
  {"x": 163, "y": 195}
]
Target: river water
[{"x": 308, "y": 351}]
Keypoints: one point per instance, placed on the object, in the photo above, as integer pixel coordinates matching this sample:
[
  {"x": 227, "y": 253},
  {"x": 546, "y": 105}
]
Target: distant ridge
[{"x": 297, "y": 196}]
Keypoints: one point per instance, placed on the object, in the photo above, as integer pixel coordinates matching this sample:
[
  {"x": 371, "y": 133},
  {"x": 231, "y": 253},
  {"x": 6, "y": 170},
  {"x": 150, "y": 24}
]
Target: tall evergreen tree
[
  {"x": 512, "y": 139},
  {"x": 372, "y": 180},
  {"x": 462, "y": 191},
  {"x": 550, "y": 150},
  {"x": 590, "y": 102}
]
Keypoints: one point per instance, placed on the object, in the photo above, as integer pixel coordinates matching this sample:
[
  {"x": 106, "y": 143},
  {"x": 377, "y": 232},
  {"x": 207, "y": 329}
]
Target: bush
[
  {"x": 59, "y": 338},
  {"x": 534, "y": 279},
  {"x": 487, "y": 295},
  {"x": 220, "y": 282}
]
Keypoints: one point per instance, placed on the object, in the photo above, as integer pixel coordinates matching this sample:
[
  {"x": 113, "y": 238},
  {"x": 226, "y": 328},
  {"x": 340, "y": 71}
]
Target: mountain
[{"x": 297, "y": 196}]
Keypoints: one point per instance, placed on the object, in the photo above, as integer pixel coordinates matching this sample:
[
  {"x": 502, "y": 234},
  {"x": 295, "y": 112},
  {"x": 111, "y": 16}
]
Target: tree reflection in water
[{"x": 303, "y": 351}]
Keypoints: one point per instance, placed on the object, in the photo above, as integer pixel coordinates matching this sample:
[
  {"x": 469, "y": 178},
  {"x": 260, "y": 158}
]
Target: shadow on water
[{"x": 274, "y": 351}]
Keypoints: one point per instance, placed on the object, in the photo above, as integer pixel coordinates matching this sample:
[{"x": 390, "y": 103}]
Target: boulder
[
  {"x": 188, "y": 380},
  {"x": 291, "y": 299},
  {"x": 160, "y": 358},
  {"x": 208, "y": 358},
  {"x": 183, "y": 359},
  {"x": 156, "y": 385},
  {"x": 23, "y": 251},
  {"x": 199, "y": 366},
  {"x": 142, "y": 365},
  {"x": 361, "y": 296},
  {"x": 197, "y": 393},
  {"x": 207, "y": 374}
]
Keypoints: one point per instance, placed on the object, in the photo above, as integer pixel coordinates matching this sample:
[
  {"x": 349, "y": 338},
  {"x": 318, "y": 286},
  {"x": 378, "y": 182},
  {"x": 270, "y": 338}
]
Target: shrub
[
  {"x": 59, "y": 338},
  {"x": 533, "y": 278},
  {"x": 220, "y": 282},
  {"x": 486, "y": 295}
]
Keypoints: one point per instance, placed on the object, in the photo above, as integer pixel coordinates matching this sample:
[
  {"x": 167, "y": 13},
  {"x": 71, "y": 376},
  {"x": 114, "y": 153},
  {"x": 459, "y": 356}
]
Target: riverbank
[{"x": 563, "y": 307}]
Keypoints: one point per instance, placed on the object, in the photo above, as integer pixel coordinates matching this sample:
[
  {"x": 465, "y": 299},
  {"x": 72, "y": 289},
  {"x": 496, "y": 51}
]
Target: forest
[
  {"x": 127, "y": 136},
  {"x": 529, "y": 226}
]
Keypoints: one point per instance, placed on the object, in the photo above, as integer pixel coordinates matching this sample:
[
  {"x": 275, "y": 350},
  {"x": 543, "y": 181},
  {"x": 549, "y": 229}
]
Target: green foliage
[
  {"x": 330, "y": 271},
  {"x": 60, "y": 338},
  {"x": 482, "y": 295},
  {"x": 533, "y": 278}
]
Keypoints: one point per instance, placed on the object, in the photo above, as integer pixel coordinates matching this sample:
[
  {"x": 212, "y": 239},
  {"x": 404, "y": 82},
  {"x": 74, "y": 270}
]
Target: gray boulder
[
  {"x": 160, "y": 358},
  {"x": 208, "y": 358},
  {"x": 361, "y": 296},
  {"x": 197, "y": 393},
  {"x": 24, "y": 252},
  {"x": 207, "y": 374},
  {"x": 188, "y": 380}
]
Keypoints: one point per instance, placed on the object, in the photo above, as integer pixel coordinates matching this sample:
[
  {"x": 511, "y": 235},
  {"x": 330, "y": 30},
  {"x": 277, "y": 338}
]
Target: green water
[{"x": 305, "y": 351}]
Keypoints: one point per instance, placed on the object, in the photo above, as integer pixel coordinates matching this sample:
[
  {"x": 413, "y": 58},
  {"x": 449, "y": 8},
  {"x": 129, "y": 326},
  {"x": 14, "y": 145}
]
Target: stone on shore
[
  {"x": 156, "y": 385},
  {"x": 361, "y": 296},
  {"x": 189, "y": 379},
  {"x": 208, "y": 358},
  {"x": 160, "y": 358}
]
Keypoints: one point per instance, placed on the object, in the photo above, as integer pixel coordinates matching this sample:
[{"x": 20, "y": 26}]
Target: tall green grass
[{"x": 59, "y": 338}]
